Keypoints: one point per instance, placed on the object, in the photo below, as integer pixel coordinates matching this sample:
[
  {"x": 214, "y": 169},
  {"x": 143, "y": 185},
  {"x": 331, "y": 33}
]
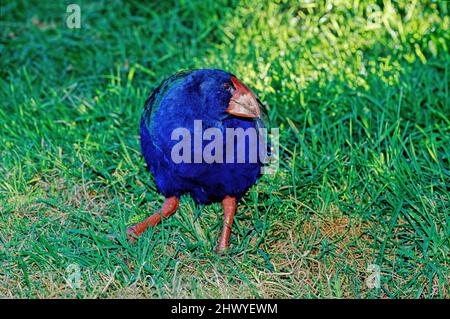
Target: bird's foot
[
  {"x": 222, "y": 250},
  {"x": 169, "y": 207},
  {"x": 133, "y": 231}
]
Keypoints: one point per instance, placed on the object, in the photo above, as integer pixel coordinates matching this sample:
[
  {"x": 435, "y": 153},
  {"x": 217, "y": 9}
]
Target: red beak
[{"x": 244, "y": 102}]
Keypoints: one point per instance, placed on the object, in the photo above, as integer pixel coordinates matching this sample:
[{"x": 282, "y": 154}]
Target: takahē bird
[{"x": 186, "y": 142}]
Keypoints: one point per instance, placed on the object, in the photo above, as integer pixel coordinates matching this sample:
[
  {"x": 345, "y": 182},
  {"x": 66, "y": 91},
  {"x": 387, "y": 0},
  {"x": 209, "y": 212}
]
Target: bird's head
[{"x": 221, "y": 94}]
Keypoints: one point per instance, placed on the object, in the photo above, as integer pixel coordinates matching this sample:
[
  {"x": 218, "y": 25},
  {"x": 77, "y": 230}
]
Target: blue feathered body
[{"x": 177, "y": 102}]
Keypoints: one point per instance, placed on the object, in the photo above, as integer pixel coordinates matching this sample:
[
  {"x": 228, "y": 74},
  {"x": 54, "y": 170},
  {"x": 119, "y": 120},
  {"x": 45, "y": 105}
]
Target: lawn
[{"x": 359, "y": 92}]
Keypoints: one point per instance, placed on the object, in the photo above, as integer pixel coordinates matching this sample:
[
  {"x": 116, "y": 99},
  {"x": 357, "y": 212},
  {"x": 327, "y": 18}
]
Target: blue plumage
[{"x": 187, "y": 96}]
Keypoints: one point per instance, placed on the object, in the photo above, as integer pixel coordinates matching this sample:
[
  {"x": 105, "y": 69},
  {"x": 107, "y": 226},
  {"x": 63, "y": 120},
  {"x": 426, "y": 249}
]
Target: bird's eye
[{"x": 229, "y": 87}]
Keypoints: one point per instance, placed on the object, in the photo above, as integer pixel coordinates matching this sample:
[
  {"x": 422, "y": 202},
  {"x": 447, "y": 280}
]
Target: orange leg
[
  {"x": 169, "y": 207},
  {"x": 229, "y": 209}
]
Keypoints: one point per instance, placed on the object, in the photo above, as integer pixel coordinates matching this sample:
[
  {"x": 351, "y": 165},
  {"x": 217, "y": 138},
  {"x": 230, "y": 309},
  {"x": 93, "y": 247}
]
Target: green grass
[{"x": 361, "y": 97}]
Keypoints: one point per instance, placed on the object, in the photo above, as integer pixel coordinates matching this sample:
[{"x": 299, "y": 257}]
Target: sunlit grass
[{"x": 360, "y": 94}]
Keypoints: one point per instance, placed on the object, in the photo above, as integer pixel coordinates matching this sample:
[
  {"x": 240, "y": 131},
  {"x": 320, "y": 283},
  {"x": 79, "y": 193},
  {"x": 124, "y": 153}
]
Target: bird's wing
[{"x": 153, "y": 101}]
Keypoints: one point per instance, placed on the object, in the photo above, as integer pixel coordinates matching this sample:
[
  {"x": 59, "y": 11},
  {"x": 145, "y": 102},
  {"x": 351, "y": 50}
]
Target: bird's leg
[
  {"x": 229, "y": 209},
  {"x": 169, "y": 207}
]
